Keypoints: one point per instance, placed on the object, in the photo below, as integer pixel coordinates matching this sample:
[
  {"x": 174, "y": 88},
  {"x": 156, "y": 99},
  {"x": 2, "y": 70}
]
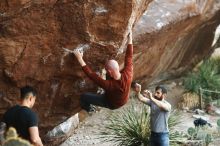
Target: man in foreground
[{"x": 23, "y": 119}]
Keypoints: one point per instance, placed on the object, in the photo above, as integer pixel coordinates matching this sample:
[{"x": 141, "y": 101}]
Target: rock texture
[
  {"x": 170, "y": 36},
  {"x": 33, "y": 34},
  {"x": 63, "y": 130}
]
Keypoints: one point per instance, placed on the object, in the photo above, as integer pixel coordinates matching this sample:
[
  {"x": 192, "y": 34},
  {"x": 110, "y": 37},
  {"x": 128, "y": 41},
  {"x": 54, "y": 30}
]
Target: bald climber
[{"x": 116, "y": 89}]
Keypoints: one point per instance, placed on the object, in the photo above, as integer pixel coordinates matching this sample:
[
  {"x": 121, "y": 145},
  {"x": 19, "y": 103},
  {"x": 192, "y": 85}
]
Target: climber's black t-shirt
[{"x": 21, "y": 118}]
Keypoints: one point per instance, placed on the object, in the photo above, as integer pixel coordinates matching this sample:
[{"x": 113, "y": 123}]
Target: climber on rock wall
[{"x": 116, "y": 88}]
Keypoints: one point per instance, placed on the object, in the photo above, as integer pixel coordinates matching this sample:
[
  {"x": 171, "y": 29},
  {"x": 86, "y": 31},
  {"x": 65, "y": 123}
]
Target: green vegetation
[
  {"x": 207, "y": 77},
  {"x": 131, "y": 126},
  {"x": 202, "y": 134},
  {"x": 205, "y": 135}
]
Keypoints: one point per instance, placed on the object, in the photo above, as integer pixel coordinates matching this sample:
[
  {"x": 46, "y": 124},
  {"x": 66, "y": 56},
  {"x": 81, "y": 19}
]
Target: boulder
[{"x": 169, "y": 37}]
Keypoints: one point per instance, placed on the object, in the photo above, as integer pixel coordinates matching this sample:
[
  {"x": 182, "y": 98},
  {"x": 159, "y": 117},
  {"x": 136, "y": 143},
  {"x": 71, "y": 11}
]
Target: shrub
[
  {"x": 200, "y": 133},
  {"x": 207, "y": 77},
  {"x": 131, "y": 126}
]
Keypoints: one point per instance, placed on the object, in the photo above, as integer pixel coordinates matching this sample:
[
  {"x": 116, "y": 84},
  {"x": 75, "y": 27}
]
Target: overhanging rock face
[
  {"x": 169, "y": 35},
  {"x": 172, "y": 36},
  {"x": 33, "y": 35}
]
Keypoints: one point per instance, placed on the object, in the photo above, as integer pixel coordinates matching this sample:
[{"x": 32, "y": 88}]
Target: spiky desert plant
[
  {"x": 192, "y": 82},
  {"x": 131, "y": 126},
  {"x": 128, "y": 127},
  {"x": 174, "y": 120},
  {"x": 207, "y": 77}
]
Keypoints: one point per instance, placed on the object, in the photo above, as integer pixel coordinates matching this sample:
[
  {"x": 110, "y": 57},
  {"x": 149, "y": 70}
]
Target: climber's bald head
[
  {"x": 112, "y": 69},
  {"x": 112, "y": 65}
]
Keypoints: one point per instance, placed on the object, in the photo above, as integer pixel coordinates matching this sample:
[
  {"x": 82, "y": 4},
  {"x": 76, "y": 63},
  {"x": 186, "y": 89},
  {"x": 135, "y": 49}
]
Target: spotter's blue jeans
[{"x": 159, "y": 139}]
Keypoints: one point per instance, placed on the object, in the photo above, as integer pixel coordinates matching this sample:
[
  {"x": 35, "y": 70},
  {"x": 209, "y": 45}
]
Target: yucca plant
[
  {"x": 131, "y": 126},
  {"x": 207, "y": 77},
  {"x": 128, "y": 127},
  {"x": 208, "y": 74},
  {"x": 192, "y": 82}
]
